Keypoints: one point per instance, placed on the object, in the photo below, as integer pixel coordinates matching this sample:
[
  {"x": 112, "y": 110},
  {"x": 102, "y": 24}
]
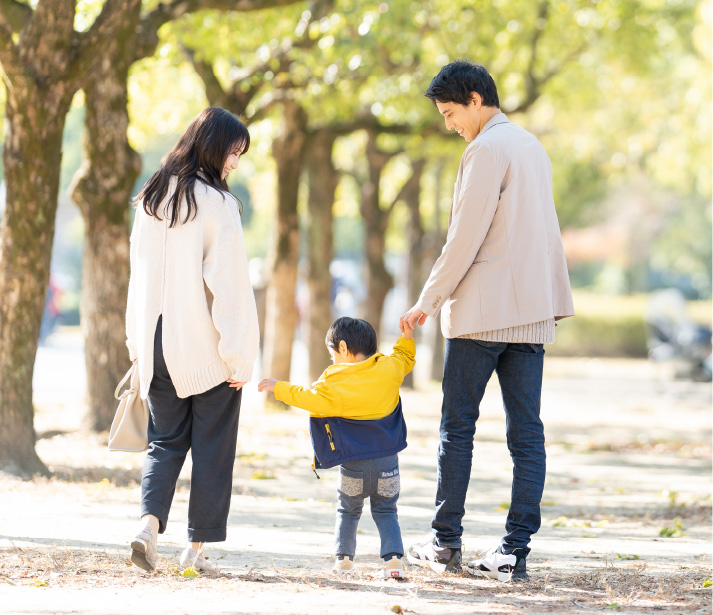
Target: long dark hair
[{"x": 200, "y": 154}]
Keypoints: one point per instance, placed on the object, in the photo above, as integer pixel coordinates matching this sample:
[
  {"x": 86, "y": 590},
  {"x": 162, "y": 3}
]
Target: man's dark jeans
[{"x": 469, "y": 364}]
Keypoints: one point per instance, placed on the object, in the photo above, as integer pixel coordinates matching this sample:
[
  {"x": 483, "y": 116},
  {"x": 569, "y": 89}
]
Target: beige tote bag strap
[{"x": 123, "y": 382}]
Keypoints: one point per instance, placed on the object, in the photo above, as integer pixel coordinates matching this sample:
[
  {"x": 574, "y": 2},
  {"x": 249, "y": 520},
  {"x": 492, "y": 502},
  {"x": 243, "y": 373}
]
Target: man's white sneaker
[
  {"x": 192, "y": 558},
  {"x": 438, "y": 559},
  {"x": 393, "y": 569},
  {"x": 144, "y": 552},
  {"x": 343, "y": 566},
  {"x": 504, "y": 567}
]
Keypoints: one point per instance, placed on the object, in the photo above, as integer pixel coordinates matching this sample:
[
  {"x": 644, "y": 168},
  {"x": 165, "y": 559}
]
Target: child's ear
[{"x": 343, "y": 347}]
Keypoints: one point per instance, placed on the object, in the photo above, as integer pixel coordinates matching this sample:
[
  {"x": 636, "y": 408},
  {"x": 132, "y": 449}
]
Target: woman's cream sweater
[{"x": 196, "y": 276}]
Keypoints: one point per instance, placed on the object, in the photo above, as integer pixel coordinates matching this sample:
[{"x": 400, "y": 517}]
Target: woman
[{"x": 191, "y": 324}]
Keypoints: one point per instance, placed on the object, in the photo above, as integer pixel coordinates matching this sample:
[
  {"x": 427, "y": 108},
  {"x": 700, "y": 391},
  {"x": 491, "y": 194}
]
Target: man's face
[{"x": 464, "y": 119}]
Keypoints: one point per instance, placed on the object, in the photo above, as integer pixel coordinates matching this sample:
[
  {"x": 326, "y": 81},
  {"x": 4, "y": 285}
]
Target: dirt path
[{"x": 629, "y": 454}]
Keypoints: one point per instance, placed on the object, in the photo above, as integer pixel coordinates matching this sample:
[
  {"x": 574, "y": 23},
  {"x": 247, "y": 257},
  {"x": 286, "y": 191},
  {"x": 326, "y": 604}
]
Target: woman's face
[{"x": 231, "y": 162}]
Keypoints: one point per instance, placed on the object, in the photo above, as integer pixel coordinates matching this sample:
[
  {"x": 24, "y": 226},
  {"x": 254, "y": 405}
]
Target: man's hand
[
  {"x": 413, "y": 316},
  {"x": 235, "y": 384},
  {"x": 267, "y": 385}
]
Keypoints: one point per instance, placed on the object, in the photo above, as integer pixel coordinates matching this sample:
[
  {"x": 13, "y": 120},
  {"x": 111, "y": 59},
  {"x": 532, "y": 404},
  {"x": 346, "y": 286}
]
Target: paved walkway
[{"x": 629, "y": 452}]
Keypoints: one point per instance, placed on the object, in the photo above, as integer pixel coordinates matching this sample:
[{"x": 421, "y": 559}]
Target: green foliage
[
  {"x": 684, "y": 246},
  {"x": 613, "y": 88},
  {"x": 605, "y": 335},
  {"x": 675, "y": 530}
]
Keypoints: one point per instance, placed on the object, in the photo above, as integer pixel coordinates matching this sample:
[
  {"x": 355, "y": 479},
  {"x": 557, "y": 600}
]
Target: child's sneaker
[
  {"x": 343, "y": 565},
  {"x": 393, "y": 568}
]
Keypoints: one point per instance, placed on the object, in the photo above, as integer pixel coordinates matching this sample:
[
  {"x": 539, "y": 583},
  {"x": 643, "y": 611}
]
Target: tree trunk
[
  {"x": 434, "y": 245},
  {"x": 414, "y": 273},
  {"x": 34, "y": 123},
  {"x": 42, "y": 69},
  {"x": 102, "y": 189},
  {"x": 323, "y": 179},
  {"x": 376, "y": 220},
  {"x": 281, "y": 311}
]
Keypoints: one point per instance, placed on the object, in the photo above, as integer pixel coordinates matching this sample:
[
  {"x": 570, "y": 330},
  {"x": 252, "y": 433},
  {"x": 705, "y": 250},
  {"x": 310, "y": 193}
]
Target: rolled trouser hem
[
  {"x": 446, "y": 544},
  {"x": 158, "y": 510},
  {"x": 216, "y": 534}
]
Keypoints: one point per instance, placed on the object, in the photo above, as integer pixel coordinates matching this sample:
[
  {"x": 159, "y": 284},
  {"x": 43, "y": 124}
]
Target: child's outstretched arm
[{"x": 319, "y": 399}]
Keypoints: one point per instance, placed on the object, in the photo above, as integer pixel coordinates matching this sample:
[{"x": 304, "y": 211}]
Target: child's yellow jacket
[{"x": 366, "y": 390}]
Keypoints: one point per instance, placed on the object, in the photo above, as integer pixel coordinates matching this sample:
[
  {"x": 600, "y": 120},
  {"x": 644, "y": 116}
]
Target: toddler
[{"x": 356, "y": 422}]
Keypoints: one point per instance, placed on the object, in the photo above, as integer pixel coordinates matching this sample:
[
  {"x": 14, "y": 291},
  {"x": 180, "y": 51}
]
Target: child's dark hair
[{"x": 357, "y": 334}]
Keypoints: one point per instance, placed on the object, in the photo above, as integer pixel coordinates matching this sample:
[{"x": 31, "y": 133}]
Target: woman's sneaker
[
  {"x": 501, "y": 566},
  {"x": 393, "y": 568},
  {"x": 144, "y": 552},
  {"x": 438, "y": 559},
  {"x": 192, "y": 558},
  {"x": 343, "y": 565}
]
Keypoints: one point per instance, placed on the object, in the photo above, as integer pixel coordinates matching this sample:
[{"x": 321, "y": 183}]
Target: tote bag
[{"x": 129, "y": 429}]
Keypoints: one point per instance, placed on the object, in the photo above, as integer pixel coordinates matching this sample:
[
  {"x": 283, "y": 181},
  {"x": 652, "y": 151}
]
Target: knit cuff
[
  {"x": 132, "y": 351},
  {"x": 242, "y": 372}
]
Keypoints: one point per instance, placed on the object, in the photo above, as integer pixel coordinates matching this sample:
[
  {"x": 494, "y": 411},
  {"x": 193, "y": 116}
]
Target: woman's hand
[
  {"x": 267, "y": 385},
  {"x": 235, "y": 384}
]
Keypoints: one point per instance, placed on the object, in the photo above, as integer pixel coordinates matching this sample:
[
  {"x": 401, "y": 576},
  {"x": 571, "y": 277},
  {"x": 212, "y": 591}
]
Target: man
[{"x": 500, "y": 284}]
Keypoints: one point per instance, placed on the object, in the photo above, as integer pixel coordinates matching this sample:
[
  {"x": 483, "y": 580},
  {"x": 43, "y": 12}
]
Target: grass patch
[{"x": 611, "y": 325}]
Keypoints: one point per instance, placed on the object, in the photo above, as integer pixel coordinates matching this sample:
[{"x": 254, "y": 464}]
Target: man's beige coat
[{"x": 503, "y": 263}]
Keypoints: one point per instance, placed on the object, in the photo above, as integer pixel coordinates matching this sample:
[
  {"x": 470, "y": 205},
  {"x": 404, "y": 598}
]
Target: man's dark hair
[
  {"x": 357, "y": 334},
  {"x": 456, "y": 81}
]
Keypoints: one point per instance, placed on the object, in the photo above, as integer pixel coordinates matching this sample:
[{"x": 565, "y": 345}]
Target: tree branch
[
  {"x": 237, "y": 98},
  {"x": 265, "y": 109},
  {"x": 416, "y": 170},
  {"x": 531, "y": 98},
  {"x": 16, "y": 13},
  {"x": 533, "y": 83},
  {"x": 106, "y": 27},
  {"x": 175, "y": 9},
  {"x": 213, "y": 89}
]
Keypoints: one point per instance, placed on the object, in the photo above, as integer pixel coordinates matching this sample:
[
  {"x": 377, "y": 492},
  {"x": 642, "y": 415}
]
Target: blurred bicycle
[{"x": 674, "y": 337}]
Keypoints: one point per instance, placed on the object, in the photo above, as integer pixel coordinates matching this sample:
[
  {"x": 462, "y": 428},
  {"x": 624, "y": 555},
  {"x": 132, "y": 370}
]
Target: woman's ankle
[{"x": 152, "y": 522}]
